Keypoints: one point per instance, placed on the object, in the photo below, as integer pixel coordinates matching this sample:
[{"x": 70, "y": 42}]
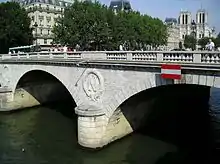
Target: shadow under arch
[
  {"x": 178, "y": 114},
  {"x": 44, "y": 87},
  {"x": 39, "y": 71}
]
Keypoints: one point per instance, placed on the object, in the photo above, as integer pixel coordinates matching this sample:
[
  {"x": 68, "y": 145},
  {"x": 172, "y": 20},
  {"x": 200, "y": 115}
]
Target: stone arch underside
[
  {"x": 124, "y": 120},
  {"x": 52, "y": 74},
  {"x": 154, "y": 80},
  {"x": 134, "y": 87},
  {"x": 36, "y": 87}
]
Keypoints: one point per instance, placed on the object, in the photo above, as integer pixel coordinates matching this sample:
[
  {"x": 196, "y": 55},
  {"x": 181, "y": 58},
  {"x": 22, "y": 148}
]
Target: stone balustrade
[{"x": 135, "y": 56}]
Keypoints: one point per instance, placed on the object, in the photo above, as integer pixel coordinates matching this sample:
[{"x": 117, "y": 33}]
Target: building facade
[
  {"x": 173, "y": 33},
  {"x": 43, "y": 14},
  {"x": 186, "y": 25},
  {"x": 198, "y": 27}
]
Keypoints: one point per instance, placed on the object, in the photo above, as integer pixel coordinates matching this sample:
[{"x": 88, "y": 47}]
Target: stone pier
[{"x": 96, "y": 130}]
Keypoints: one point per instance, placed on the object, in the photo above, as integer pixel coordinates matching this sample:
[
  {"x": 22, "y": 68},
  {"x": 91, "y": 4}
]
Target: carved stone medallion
[{"x": 93, "y": 85}]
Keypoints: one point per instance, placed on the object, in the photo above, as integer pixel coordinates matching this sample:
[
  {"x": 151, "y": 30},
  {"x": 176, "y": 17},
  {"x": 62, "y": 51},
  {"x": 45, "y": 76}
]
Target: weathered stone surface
[{"x": 98, "y": 92}]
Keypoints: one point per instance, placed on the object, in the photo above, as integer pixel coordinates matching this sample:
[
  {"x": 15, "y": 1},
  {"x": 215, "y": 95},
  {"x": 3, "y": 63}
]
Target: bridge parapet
[{"x": 202, "y": 57}]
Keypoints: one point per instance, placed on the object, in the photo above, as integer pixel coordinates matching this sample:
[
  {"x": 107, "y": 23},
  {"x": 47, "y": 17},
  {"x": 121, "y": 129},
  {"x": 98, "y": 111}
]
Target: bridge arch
[
  {"x": 155, "y": 103},
  {"x": 43, "y": 86},
  {"x": 23, "y": 74},
  {"x": 133, "y": 88}
]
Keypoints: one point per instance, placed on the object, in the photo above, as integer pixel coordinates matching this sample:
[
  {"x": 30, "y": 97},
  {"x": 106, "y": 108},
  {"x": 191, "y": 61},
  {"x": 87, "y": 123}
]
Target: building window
[
  {"x": 203, "y": 18},
  {"x": 200, "y": 35},
  {"x": 45, "y": 41},
  {"x": 48, "y": 32},
  {"x": 183, "y": 36},
  {"x": 203, "y": 35},
  {"x": 41, "y": 31},
  {"x": 41, "y": 17},
  {"x": 47, "y": 7},
  {"x": 32, "y": 18},
  {"x": 40, "y": 6},
  {"x": 48, "y": 19},
  {"x": 200, "y": 17},
  {"x": 182, "y": 19}
]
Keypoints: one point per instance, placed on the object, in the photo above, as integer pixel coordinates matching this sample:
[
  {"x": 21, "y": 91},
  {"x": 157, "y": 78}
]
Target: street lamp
[
  {"x": 212, "y": 32},
  {"x": 193, "y": 28},
  {"x": 122, "y": 5},
  {"x": 35, "y": 27}
]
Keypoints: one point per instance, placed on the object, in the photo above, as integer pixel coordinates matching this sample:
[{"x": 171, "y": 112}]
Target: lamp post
[
  {"x": 212, "y": 32},
  {"x": 122, "y": 5},
  {"x": 194, "y": 29},
  {"x": 35, "y": 27},
  {"x": 193, "y": 33}
]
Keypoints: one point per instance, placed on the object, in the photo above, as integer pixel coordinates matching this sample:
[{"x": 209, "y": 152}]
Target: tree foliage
[
  {"x": 217, "y": 40},
  {"x": 14, "y": 26},
  {"x": 190, "y": 42},
  {"x": 203, "y": 41},
  {"x": 95, "y": 27}
]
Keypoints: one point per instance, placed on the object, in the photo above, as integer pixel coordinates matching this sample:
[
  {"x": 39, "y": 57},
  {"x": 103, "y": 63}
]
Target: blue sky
[{"x": 171, "y": 8}]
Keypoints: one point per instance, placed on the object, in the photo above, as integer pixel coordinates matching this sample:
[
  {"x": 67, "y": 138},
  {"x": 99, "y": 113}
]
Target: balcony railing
[
  {"x": 43, "y": 36},
  {"x": 44, "y": 9}
]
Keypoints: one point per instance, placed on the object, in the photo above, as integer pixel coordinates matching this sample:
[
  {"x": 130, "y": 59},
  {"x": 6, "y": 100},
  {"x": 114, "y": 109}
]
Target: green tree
[
  {"x": 203, "y": 42},
  {"x": 84, "y": 24},
  {"x": 95, "y": 27},
  {"x": 190, "y": 42},
  {"x": 14, "y": 26},
  {"x": 217, "y": 41}
]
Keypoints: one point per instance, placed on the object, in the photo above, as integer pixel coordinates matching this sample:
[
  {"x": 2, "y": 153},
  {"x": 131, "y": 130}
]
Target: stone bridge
[{"x": 99, "y": 83}]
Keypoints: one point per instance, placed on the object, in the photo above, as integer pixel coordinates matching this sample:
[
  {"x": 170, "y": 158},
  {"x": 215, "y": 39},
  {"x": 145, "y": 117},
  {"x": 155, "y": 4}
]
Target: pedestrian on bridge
[{"x": 210, "y": 45}]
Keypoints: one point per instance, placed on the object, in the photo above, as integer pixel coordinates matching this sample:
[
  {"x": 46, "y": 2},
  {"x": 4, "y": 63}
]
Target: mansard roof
[
  {"x": 50, "y": 2},
  {"x": 120, "y": 4}
]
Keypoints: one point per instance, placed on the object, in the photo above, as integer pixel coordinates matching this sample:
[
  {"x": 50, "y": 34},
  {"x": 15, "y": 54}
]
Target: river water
[{"x": 47, "y": 135}]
